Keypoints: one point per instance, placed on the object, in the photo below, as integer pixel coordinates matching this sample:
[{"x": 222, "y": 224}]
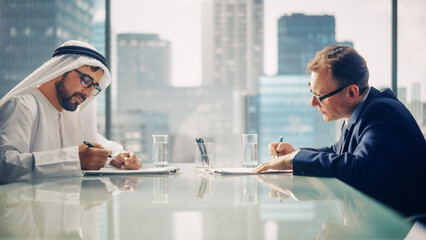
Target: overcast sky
[{"x": 366, "y": 23}]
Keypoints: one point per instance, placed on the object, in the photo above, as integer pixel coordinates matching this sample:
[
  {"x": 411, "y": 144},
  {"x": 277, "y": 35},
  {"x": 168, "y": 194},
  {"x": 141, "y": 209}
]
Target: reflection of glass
[
  {"x": 161, "y": 191},
  {"x": 203, "y": 185},
  {"x": 159, "y": 150},
  {"x": 249, "y": 150},
  {"x": 249, "y": 196}
]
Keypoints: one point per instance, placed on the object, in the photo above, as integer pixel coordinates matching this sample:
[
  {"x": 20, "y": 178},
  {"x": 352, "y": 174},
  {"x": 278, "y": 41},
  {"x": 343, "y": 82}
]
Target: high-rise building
[
  {"x": 233, "y": 44},
  {"x": 144, "y": 60},
  {"x": 30, "y": 31},
  {"x": 402, "y": 95},
  {"x": 415, "y": 105},
  {"x": 206, "y": 112},
  {"x": 285, "y": 111},
  {"x": 300, "y": 36}
]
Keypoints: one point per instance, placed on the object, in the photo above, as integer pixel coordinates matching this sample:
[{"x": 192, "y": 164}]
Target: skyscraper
[
  {"x": 300, "y": 36},
  {"x": 285, "y": 111},
  {"x": 31, "y": 30},
  {"x": 233, "y": 44},
  {"x": 143, "y": 61}
]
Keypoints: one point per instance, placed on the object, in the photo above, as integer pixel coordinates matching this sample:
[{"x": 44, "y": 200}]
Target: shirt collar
[{"x": 355, "y": 114}]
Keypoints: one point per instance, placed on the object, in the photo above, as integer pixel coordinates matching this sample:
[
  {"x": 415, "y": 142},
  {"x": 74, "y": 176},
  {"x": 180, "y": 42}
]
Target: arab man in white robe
[{"x": 46, "y": 118}]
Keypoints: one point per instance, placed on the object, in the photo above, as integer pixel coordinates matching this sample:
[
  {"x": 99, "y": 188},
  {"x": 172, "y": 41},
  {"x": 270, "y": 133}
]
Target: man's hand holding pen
[
  {"x": 282, "y": 157},
  {"x": 93, "y": 156}
]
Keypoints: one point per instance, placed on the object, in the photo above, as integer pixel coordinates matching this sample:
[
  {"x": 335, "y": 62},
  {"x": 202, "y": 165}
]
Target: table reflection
[
  {"x": 57, "y": 209},
  {"x": 171, "y": 206},
  {"x": 161, "y": 190},
  {"x": 362, "y": 217},
  {"x": 249, "y": 191},
  {"x": 203, "y": 185}
]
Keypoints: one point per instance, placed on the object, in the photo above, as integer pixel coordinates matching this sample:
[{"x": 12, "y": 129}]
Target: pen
[
  {"x": 198, "y": 140},
  {"x": 205, "y": 152},
  {"x": 279, "y": 141},
  {"x": 93, "y": 146}
]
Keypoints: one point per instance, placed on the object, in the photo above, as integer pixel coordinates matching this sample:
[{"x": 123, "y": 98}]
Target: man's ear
[{"x": 352, "y": 93}]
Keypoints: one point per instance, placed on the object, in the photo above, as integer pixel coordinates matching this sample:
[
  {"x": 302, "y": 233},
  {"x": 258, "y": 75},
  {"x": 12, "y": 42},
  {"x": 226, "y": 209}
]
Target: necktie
[{"x": 345, "y": 133}]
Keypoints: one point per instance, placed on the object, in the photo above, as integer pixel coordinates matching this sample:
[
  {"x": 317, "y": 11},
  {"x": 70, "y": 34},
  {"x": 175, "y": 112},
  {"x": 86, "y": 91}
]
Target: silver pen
[{"x": 279, "y": 141}]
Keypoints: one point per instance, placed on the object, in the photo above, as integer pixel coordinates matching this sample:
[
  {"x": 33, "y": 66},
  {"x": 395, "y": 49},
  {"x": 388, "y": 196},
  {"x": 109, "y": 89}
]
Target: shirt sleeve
[{"x": 17, "y": 163}]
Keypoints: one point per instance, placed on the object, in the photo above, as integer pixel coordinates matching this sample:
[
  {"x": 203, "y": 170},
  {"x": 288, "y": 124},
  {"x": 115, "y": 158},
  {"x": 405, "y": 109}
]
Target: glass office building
[
  {"x": 232, "y": 40},
  {"x": 143, "y": 62},
  {"x": 285, "y": 111},
  {"x": 30, "y": 30},
  {"x": 300, "y": 36}
]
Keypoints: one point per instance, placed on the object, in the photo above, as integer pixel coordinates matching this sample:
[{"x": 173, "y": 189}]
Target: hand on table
[
  {"x": 282, "y": 162},
  {"x": 127, "y": 160}
]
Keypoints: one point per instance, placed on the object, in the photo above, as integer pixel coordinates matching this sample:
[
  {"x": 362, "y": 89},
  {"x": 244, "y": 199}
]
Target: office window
[
  {"x": 411, "y": 62},
  {"x": 235, "y": 53},
  {"x": 179, "y": 65}
]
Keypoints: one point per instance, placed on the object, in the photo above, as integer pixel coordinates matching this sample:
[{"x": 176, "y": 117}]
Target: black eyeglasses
[
  {"x": 87, "y": 81},
  {"x": 326, "y": 95}
]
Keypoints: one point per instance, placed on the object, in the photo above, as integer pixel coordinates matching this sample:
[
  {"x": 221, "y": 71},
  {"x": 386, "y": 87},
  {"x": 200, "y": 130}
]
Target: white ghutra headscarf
[{"x": 84, "y": 119}]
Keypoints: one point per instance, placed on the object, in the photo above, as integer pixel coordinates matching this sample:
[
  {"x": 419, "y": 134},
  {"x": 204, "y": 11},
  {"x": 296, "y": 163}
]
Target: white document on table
[
  {"x": 113, "y": 170},
  {"x": 241, "y": 171}
]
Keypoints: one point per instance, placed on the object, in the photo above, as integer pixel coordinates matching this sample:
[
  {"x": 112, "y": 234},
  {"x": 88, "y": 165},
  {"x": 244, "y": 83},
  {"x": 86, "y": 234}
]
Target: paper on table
[
  {"x": 112, "y": 170},
  {"x": 241, "y": 171}
]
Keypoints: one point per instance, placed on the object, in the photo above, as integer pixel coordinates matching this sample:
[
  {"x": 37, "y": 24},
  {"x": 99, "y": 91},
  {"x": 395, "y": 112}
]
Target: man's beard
[{"x": 64, "y": 98}]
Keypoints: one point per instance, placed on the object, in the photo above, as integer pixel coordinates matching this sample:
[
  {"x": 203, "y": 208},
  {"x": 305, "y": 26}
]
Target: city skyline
[{"x": 371, "y": 35}]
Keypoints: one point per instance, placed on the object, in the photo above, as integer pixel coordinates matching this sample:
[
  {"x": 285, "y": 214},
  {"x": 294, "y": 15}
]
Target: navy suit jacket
[{"x": 383, "y": 155}]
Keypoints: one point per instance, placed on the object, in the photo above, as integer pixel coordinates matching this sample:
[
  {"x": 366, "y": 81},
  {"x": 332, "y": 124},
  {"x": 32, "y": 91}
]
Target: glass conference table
[{"x": 190, "y": 205}]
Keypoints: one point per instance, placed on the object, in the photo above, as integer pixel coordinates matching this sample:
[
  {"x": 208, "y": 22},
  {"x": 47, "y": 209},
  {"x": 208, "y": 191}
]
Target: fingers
[
  {"x": 273, "y": 149},
  {"x": 284, "y": 148},
  {"x": 98, "y": 145},
  {"x": 127, "y": 160},
  {"x": 96, "y": 152},
  {"x": 92, "y": 158},
  {"x": 263, "y": 167},
  {"x": 134, "y": 164},
  {"x": 93, "y": 163}
]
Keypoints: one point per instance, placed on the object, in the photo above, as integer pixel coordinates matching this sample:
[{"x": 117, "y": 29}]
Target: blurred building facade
[
  {"x": 300, "y": 36},
  {"x": 232, "y": 51},
  {"x": 232, "y": 39},
  {"x": 144, "y": 60},
  {"x": 30, "y": 31},
  {"x": 207, "y": 112},
  {"x": 285, "y": 111}
]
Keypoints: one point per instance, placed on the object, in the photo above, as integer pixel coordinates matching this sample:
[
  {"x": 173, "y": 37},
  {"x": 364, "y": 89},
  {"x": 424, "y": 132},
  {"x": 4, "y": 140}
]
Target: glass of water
[
  {"x": 159, "y": 150},
  {"x": 249, "y": 150}
]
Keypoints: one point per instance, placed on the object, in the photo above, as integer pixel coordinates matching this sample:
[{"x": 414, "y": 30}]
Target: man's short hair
[{"x": 347, "y": 66}]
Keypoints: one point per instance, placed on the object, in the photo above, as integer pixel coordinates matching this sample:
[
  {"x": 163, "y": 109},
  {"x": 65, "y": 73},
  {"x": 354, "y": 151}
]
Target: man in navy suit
[{"x": 381, "y": 151}]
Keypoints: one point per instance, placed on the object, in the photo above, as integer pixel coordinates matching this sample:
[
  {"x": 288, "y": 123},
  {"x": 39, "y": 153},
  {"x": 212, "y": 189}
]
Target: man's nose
[
  {"x": 88, "y": 91},
  {"x": 314, "y": 102}
]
